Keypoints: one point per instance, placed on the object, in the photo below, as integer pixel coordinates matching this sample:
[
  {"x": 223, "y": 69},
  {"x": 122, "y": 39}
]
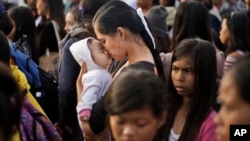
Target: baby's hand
[
  {"x": 84, "y": 118},
  {"x": 85, "y": 115}
]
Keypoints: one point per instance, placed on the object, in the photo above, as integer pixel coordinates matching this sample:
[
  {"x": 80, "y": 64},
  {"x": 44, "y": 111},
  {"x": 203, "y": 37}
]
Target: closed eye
[{"x": 102, "y": 41}]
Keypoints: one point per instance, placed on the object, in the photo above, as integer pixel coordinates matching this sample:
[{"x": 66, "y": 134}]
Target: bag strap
[{"x": 56, "y": 30}]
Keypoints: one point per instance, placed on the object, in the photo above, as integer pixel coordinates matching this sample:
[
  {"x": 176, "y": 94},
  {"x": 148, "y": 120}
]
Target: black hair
[
  {"x": 6, "y": 24},
  {"x": 25, "y": 25},
  {"x": 10, "y": 103},
  {"x": 86, "y": 12},
  {"x": 146, "y": 90},
  {"x": 125, "y": 16},
  {"x": 203, "y": 55},
  {"x": 4, "y": 49},
  {"x": 56, "y": 11},
  {"x": 238, "y": 25},
  {"x": 191, "y": 21},
  {"x": 74, "y": 10}
]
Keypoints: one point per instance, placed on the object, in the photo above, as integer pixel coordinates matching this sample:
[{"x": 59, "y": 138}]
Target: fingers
[
  {"x": 79, "y": 86},
  {"x": 83, "y": 68},
  {"x": 85, "y": 118}
]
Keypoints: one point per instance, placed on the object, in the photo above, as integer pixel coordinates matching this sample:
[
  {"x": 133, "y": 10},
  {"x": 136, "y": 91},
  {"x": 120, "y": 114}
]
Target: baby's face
[{"x": 99, "y": 55}]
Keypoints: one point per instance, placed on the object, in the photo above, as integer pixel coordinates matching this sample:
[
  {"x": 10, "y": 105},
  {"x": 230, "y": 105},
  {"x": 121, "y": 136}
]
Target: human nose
[
  {"x": 179, "y": 76},
  {"x": 66, "y": 27},
  {"x": 128, "y": 131}
]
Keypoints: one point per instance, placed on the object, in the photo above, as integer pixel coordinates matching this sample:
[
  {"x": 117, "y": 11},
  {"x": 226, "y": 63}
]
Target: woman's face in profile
[
  {"x": 111, "y": 43},
  {"x": 224, "y": 33},
  {"x": 136, "y": 125},
  {"x": 234, "y": 109}
]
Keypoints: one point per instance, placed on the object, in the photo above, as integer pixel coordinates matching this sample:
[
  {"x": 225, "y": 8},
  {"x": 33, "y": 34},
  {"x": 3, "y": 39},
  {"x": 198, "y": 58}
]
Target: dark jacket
[{"x": 68, "y": 73}]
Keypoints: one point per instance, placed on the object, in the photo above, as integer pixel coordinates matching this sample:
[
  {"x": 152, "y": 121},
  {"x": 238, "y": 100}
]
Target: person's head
[
  {"x": 192, "y": 77},
  {"x": 32, "y": 6},
  {"x": 156, "y": 17},
  {"x": 24, "y": 22},
  {"x": 10, "y": 104},
  {"x": 98, "y": 53},
  {"x": 147, "y": 4},
  {"x": 53, "y": 10},
  {"x": 235, "y": 99},
  {"x": 137, "y": 110},
  {"x": 91, "y": 52},
  {"x": 5, "y": 21},
  {"x": 239, "y": 30},
  {"x": 24, "y": 25},
  {"x": 166, "y": 3},
  {"x": 117, "y": 26},
  {"x": 70, "y": 18},
  {"x": 87, "y": 10},
  {"x": 4, "y": 49},
  {"x": 191, "y": 21}
]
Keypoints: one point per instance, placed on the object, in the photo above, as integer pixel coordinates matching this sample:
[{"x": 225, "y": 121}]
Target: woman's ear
[{"x": 121, "y": 32}]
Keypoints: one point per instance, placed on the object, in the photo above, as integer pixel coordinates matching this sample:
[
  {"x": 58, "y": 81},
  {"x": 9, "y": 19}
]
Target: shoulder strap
[{"x": 56, "y": 30}]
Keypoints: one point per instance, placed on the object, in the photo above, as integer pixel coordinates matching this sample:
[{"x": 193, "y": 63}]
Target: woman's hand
[
  {"x": 88, "y": 133},
  {"x": 79, "y": 86}
]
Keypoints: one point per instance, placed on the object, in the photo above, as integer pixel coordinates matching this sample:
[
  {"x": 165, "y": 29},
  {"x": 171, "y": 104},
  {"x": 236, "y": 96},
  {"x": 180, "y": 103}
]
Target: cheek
[
  {"x": 191, "y": 81},
  {"x": 115, "y": 128}
]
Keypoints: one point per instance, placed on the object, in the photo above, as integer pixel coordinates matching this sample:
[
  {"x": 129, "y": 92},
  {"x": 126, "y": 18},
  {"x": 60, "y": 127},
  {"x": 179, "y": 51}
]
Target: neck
[
  {"x": 186, "y": 103},
  {"x": 138, "y": 51}
]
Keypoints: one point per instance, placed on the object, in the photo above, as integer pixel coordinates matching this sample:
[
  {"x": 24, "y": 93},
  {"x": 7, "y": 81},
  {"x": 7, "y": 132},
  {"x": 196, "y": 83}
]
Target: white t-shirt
[{"x": 173, "y": 136}]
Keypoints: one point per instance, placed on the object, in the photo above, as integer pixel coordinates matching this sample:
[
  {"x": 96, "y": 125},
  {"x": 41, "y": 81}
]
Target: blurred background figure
[
  {"x": 50, "y": 11},
  {"x": 156, "y": 17},
  {"x": 70, "y": 3},
  {"x": 147, "y": 4},
  {"x": 23, "y": 33},
  {"x": 235, "y": 34},
  {"x": 235, "y": 99},
  {"x": 232, "y": 6},
  {"x": 10, "y": 103},
  {"x": 70, "y": 18}
]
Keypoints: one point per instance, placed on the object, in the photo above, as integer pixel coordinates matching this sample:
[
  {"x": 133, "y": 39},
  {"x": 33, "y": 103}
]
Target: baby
[{"x": 97, "y": 79}]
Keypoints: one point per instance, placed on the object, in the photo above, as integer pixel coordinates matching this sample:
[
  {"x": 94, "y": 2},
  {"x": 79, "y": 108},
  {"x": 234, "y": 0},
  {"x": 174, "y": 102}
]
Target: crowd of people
[{"x": 140, "y": 70}]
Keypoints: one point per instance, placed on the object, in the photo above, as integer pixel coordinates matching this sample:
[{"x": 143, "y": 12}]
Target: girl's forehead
[{"x": 185, "y": 58}]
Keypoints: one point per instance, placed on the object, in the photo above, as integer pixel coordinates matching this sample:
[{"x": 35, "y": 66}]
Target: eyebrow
[{"x": 183, "y": 68}]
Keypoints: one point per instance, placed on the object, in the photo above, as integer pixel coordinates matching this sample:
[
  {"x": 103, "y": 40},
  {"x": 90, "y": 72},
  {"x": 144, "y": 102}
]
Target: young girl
[
  {"x": 70, "y": 18},
  {"x": 137, "y": 111},
  {"x": 235, "y": 33},
  {"x": 24, "y": 31},
  {"x": 191, "y": 92},
  {"x": 191, "y": 21}
]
